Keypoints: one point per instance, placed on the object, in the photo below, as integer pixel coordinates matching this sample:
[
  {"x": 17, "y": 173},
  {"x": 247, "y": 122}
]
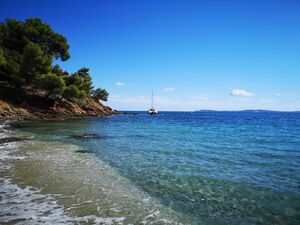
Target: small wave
[
  {"x": 3, "y": 130},
  {"x": 30, "y": 206},
  {"x": 27, "y": 204}
]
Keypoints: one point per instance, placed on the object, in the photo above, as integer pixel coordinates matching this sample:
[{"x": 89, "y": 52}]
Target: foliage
[
  {"x": 87, "y": 84},
  {"x": 34, "y": 62},
  {"x": 16, "y": 35},
  {"x": 2, "y": 59},
  {"x": 59, "y": 71},
  {"x": 27, "y": 52},
  {"x": 50, "y": 82},
  {"x": 100, "y": 94},
  {"x": 82, "y": 80},
  {"x": 72, "y": 92}
]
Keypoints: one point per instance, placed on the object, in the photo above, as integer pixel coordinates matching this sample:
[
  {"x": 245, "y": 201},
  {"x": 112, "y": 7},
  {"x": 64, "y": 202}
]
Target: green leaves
[
  {"x": 86, "y": 84},
  {"x": 72, "y": 92},
  {"x": 2, "y": 59},
  {"x": 27, "y": 51},
  {"x": 100, "y": 94},
  {"x": 51, "y": 82},
  {"x": 30, "y": 47},
  {"x": 34, "y": 62}
]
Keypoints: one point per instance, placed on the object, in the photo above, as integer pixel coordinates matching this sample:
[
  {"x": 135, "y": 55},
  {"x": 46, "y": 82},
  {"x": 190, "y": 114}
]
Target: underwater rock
[
  {"x": 10, "y": 139},
  {"x": 88, "y": 136},
  {"x": 84, "y": 151}
]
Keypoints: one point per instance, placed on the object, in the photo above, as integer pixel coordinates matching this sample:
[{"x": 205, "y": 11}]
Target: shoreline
[
  {"x": 50, "y": 117},
  {"x": 27, "y": 104},
  {"x": 58, "y": 118},
  {"x": 60, "y": 185}
]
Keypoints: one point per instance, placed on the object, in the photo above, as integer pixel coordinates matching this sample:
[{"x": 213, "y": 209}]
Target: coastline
[
  {"x": 28, "y": 104},
  {"x": 54, "y": 183},
  {"x": 11, "y": 113}
]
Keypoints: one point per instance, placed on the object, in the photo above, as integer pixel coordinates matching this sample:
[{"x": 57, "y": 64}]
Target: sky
[{"x": 221, "y": 55}]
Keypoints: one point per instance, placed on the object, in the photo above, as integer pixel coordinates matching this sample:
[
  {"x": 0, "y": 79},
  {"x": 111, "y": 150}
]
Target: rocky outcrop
[{"x": 29, "y": 104}]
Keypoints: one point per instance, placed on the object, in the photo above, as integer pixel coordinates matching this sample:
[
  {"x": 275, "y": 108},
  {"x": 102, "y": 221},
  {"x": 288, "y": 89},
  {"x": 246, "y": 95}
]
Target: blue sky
[{"x": 224, "y": 55}]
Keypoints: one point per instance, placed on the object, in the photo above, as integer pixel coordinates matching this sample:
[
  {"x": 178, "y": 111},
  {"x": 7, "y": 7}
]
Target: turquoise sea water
[{"x": 211, "y": 167}]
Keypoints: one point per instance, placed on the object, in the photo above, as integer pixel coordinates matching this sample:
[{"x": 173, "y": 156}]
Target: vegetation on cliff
[{"x": 27, "y": 52}]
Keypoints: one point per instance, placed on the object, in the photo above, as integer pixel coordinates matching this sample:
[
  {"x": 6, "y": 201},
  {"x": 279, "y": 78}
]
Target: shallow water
[
  {"x": 46, "y": 182},
  {"x": 191, "y": 168}
]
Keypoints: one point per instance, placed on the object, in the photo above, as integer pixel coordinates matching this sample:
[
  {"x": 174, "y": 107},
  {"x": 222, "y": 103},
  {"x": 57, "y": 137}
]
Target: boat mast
[{"x": 152, "y": 100}]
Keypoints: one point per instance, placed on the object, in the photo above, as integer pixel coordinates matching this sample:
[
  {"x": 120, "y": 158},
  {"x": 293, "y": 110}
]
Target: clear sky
[{"x": 224, "y": 55}]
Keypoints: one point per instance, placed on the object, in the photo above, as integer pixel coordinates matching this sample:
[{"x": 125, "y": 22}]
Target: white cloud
[
  {"x": 240, "y": 92},
  {"x": 120, "y": 84},
  {"x": 169, "y": 89}
]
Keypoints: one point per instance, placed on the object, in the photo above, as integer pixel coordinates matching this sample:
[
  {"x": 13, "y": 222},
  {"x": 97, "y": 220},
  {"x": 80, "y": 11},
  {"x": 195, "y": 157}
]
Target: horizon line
[{"x": 213, "y": 110}]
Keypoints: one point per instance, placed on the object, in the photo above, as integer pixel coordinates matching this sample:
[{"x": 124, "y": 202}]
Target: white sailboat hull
[{"x": 152, "y": 111}]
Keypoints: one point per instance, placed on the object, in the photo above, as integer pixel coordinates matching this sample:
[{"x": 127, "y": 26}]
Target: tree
[
  {"x": 100, "y": 94},
  {"x": 51, "y": 83},
  {"x": 17, "y": 34},
  {"x": 86, "y": 80},
  {"x": 27, "y": 52},
  {"x": 20, "y": 40},
  {"x": 74, "y": 79},
  {"x": 51, "y": 42},
  {"x": 81, "y": 79},
  {"x": 2, "y": 58},
  {"x": 12, "y": 67},
  {"x": 71, "y": 92},
  {"x": 34, "y": 63},
  {"x": 59, "y": 71}
]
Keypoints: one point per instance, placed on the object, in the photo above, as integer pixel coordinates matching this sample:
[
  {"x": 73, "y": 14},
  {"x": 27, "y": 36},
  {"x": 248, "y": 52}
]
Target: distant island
[
  {"x": 32, "y": 87},
  {"x": 245, "y": 111}
]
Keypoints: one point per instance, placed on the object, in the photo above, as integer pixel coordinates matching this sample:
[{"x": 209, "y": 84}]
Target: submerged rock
[
  {"x": 88, "y": 136},
  {"x": 10, "y": 139},
  {"x": 129, "y": 114},
  {"x": 84, "y": 151}
]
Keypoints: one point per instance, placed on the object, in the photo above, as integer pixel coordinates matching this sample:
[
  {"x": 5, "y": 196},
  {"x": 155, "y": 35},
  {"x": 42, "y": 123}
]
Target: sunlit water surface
[{"x": 203, "y": 167}]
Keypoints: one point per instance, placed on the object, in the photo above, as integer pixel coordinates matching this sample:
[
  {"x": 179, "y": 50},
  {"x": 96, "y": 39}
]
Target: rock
[
  {"x": 130, "y": 114},
  {"x": 88, "y": 136},
  {"x": 28, "y": 104},
  {"x": 10, "y": 139},
  {"x": 84, "y": 151}
]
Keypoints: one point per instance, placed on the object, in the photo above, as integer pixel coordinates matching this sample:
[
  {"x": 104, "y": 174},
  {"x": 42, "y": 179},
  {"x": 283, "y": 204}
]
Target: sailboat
[{"x": 152, "y": 111}]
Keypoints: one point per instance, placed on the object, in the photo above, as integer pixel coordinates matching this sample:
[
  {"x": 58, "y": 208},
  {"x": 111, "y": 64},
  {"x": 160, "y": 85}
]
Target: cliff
[{"x": 30, "y": 104}]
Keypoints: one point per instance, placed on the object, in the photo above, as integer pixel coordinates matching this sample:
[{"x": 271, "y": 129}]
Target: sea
[{"x": 205, "y": 167}]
